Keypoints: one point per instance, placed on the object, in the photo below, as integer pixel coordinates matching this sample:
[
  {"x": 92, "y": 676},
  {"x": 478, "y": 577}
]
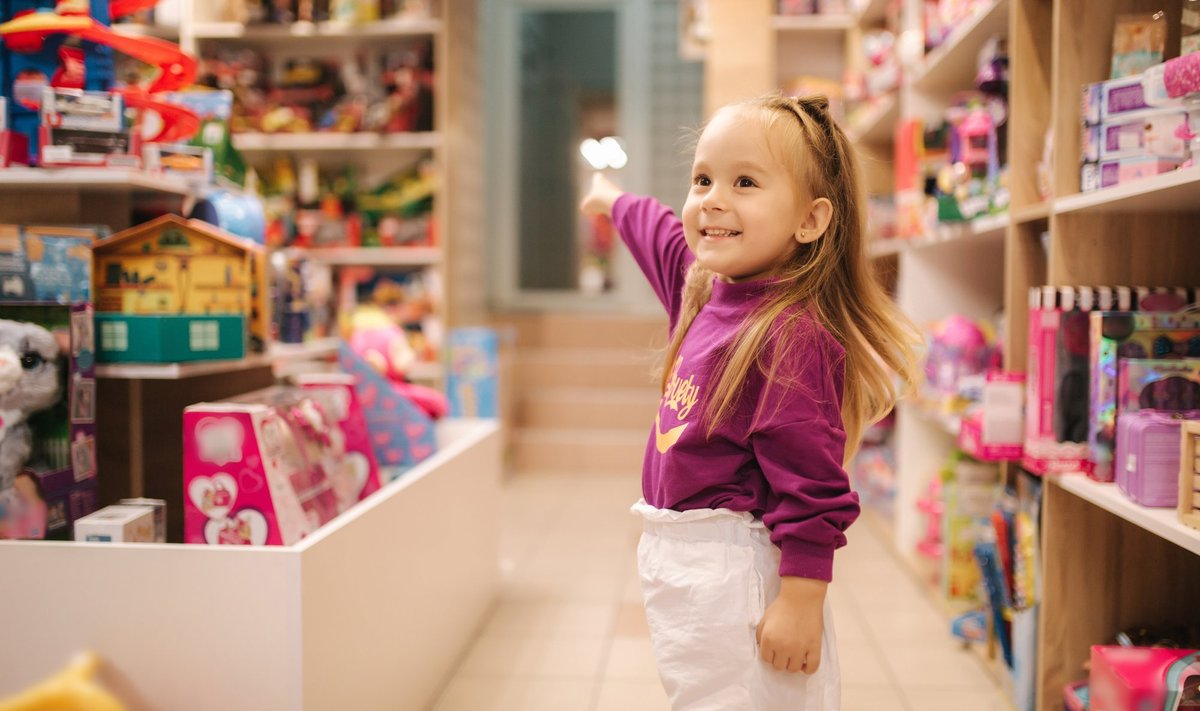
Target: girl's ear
[{"x": 814, "y": 223}]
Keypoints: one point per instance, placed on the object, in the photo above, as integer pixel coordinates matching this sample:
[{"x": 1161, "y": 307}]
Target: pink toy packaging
[
  {"x": 1152, "y": 384},
  {"x": 1117, "y": 335},
  {"x": 993, "y": 432},
  {"x": 1147, "y": 456},
  {"x": 1132, "y": 678},
  {"x": 337, "y": 394},
  {"x": 262, "y": 470}
]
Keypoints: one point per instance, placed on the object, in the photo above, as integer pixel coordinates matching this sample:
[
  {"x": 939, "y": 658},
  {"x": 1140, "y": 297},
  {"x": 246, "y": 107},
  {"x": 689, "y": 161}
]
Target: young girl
[{"x": 783, "y": 348}]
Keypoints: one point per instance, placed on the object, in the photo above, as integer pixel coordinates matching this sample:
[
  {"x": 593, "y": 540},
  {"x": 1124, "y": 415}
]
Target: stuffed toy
[
  {"x": 381, "y": 343},
  {"x": 29, "y": 382}
]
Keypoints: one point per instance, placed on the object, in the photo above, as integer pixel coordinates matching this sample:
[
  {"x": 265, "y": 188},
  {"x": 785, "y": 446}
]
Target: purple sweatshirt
[{"x": 783, "y": 466}]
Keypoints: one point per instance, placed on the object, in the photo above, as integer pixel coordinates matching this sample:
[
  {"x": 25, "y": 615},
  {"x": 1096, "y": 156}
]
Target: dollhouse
[{"x": 176, "y": 290}]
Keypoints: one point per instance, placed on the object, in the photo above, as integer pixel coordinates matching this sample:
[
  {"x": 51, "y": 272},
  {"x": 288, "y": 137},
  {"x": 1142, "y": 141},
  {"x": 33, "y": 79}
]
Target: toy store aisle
[{"x": 569, "y": 633}]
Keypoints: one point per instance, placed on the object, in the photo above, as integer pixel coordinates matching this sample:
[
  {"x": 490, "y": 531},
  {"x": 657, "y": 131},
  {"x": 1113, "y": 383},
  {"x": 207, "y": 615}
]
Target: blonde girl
[{"x": 783, "y": 349}]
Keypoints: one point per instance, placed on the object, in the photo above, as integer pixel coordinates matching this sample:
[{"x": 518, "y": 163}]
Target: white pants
[{"x": 707, "y": 577}]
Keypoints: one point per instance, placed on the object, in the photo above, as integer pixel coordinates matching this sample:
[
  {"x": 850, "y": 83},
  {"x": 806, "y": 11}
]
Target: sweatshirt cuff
[
  {"x": 622, "y": 198},
  {"x": 799, "y": 559}
]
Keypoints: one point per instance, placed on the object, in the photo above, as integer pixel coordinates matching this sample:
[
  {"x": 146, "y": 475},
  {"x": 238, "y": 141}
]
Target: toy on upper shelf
[
  {"x": 38, "y": 54},
  {"x": 179, "y": 290},
  {"x": 347, "y": 11}
]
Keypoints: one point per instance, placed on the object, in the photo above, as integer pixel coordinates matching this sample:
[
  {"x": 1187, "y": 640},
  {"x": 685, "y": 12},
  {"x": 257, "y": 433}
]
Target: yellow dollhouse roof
[{"x": 194, "y": 227}]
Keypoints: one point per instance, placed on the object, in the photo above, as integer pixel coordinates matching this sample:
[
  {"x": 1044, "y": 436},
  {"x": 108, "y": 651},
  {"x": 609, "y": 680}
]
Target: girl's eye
[
  {"x": 744, "y": 182},
  {"x": 31, "y": 360},
  {"x": 701, "y": 180}
]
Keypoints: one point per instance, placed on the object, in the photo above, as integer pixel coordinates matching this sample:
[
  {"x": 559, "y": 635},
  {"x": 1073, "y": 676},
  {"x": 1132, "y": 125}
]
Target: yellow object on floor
[{"x": 72, "y": 689}]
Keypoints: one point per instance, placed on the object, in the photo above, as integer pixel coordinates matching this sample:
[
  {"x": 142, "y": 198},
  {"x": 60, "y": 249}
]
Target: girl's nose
[{"x": 713, "y": 199}]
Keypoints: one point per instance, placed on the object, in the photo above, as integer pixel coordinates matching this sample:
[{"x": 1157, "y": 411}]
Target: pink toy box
[
  {"x": 1147, "y": 459},
  {"x": 267, "y": 468},
  {"x": 337, "y": 394},
  {"x": 1132, "y": 678},
  {"x": 993, "y": 431}
]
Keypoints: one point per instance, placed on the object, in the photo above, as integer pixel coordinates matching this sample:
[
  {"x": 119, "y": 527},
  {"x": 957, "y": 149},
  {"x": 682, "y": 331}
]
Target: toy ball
[{"x": 233, "y": 212}]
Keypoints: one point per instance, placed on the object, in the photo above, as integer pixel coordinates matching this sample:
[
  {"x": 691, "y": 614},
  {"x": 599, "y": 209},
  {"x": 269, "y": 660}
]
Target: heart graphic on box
[
  {"x": 213, "y": 496},
  {"x": 247, "y": 528}
]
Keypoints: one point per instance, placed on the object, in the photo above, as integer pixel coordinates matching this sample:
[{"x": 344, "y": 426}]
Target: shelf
[
  {"x": 985, "y": 230},
  {"x": 299, "y": 31},
  {"x": 135, "y": 29},
  {"x": 1163, "y": 523},
  {"x": 277, "y": 353},
  {"x": 874, "y": 12},
  {"x": 951, "y": 67},
  {"x": 91, "y": 180},
  {"x": 813, "y": 24},
  {"x": 1178, "y": 191},
  {"x": 877, "y": 124},
  {"x": 374, "y": 256},
  {"x": 315, "y": 142},
  {"x": 1032, "y": 213}
]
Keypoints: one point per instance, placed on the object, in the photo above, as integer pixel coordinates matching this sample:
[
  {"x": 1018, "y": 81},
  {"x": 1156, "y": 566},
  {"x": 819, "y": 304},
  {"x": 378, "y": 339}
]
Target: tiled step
[
  {"x": 573, "y": 367},
  {"x": 586, "y": 407},
  {"x": 581, "y": 330},
  {"x": 579, "y": 450}
]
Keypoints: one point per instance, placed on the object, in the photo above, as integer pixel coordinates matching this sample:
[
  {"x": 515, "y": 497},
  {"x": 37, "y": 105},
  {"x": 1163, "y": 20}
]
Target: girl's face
[{"x": 742, "y": 216}]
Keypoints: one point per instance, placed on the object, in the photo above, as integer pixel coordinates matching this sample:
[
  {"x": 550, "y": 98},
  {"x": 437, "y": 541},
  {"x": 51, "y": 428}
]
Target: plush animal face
[{"x": 28, "y": 367}]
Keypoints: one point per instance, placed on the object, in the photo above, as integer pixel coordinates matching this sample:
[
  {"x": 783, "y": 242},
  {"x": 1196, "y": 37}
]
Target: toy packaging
[
  {"x": 1154, "y": 384},
  {"x": 86, "y": 128},
  {"x": 1138, "y": 43},
  {"x": 994, "y": 431},
  {"x": 1116, "y": 335},
  {"x": 48, "y": 447},
  {"x": 401, "y": 433},
  {"x": 1147, "y": 455},
  {"x": 1129, "y": 678},
  {"x": 46, "y": 264},
  {"x": 263, "y": 470},
  {"x": 117, "y": 524},
  {"x": 336, "y": 393},
  {"x": 1151, "y": 134},
  {"x": 472, "y": 380},
  {"x": 159, "y": 507}
]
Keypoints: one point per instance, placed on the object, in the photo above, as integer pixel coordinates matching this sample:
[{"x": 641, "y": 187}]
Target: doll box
[
  {"x": 1116, "y": 335},
  {"x": 337, "y": 394},
  {"x": 1156, "y": 384},
  {"x": 143, "y": 338},
  {"x": 1189, "y": 474},
  {"x": 252, "y": 475},
  {"x": 1130, "y": 678}
]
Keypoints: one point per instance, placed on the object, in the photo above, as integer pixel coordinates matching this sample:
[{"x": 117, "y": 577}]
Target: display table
[{"x": 373, "y": 611}]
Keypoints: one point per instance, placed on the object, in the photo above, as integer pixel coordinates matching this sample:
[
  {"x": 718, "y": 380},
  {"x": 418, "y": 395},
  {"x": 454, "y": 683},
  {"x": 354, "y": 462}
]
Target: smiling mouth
[{"x": 713, "y": 233}]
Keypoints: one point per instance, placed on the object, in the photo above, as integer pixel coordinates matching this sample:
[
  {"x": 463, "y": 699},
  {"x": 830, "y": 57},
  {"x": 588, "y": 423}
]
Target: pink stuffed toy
[{"x": 380, "y": 342}]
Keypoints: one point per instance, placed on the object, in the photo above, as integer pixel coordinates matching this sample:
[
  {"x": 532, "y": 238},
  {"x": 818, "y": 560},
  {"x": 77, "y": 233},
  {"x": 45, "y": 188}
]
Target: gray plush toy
[{"x": 28, "y": 383}]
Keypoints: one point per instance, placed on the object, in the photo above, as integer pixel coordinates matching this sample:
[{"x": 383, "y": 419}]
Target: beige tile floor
[{"x": 569, "y": 634}]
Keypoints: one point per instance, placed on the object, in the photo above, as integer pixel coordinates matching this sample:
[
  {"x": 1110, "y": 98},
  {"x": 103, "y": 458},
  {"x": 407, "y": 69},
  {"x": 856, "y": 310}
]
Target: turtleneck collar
[{"x": 738, "y": 294}]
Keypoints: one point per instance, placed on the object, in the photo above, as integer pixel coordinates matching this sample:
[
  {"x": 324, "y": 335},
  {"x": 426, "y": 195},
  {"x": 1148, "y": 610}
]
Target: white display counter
[{"x": 373, "y": 611}]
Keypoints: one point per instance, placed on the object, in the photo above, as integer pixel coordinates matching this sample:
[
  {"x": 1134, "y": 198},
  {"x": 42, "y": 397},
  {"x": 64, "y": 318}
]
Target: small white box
[{"x": 117, "y": 524}]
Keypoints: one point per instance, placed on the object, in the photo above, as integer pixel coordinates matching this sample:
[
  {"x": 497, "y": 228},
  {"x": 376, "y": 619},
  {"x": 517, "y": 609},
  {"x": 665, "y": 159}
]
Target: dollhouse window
[
  {"x": 114, "y": 336},
  {"x": 205, "y": 336}
]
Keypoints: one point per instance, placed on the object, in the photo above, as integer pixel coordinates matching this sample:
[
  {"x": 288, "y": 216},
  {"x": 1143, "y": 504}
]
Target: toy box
[
  {"x": 336, "y": 393},
  {"x": 401, "y": 433},
  {"x": 1107, "y": 100},
  {"x": 56, "y": 484},
  {"x": 48, "y": 264},
  {"x": 1108, "y": 173},
  {"x": 1147, "y": 383},
  {"x": 1147, "y": 456},
  {"x": 117, "y": 524},
  {"x": 14, "y": 147},
  {"x": 1116, "y": 335},
  {"x": 1056, "y": 384},
  {"x": 191, "y": 163},
  {"x": 263, "y": 470},
  {"x": 994, "y": 431},
  {"x": 1154, "y": 133},
  {"x": 472, "y": 378},
  {"x": 86, "y": 128},
  {"x": 182, "y": 268},
  {"x": 1131, "y": 678},
  {"x": 144, "y": 338}
]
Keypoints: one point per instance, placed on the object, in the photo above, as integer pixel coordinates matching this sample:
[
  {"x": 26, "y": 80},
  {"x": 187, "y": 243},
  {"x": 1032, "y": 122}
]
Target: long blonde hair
[{"x": 830, "y": 277}]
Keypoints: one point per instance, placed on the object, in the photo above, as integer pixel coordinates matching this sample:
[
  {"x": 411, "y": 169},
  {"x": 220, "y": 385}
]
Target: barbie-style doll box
[{"x": 267, "y": 469}]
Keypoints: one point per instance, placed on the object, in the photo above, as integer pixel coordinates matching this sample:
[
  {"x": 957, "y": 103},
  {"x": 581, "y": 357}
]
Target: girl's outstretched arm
[{"x": 600, "y": 198}]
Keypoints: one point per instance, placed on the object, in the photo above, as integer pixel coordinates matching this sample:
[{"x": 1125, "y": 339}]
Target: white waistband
[{"x": 701, "y": 524}]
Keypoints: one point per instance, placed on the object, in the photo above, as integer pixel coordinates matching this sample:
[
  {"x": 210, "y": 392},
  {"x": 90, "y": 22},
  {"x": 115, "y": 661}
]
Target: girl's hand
[
  {"x": 789, "y": 636},
  {"x": 599, "y": 200}
]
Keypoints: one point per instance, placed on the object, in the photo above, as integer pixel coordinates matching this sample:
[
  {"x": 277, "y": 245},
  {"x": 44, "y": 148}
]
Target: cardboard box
[
  {"x": 117, "y": 524},
  {"x": 143, "y": 338}
]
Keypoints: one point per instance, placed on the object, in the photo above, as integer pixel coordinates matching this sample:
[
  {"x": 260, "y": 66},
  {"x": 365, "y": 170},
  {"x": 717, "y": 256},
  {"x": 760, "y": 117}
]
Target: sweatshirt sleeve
[
  {"x": 654, "y": 235},
  {"x": 799, "y": 443}
]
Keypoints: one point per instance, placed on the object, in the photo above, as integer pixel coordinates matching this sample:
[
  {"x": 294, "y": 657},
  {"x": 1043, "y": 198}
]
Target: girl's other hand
[
  {"x": 600, "y": 198},
  {"x": 789, "y": 635}
]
